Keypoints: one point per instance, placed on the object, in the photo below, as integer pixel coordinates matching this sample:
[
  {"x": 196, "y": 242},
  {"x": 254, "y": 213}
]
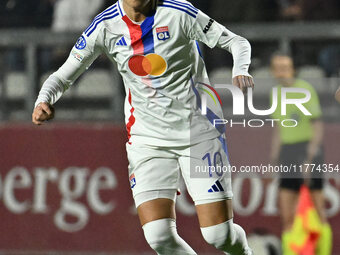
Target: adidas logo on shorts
[{"x": 217, "y": 187}]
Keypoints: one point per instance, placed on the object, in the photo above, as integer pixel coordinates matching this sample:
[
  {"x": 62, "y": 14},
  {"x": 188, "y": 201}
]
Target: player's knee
[
  {"x": 160, "y": 233},
  {"x": 227, "y": 237},
  {"x": 220, "y": 236}
]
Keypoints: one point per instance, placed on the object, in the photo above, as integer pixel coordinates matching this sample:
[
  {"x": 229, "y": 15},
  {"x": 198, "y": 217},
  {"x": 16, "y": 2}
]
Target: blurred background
[{"x": 64, "y": 186}]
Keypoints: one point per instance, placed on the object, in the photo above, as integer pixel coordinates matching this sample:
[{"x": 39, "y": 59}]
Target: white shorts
[{"x": 153, "y": 168}]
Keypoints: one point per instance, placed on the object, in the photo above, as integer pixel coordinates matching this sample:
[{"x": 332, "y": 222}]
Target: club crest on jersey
[
  {"x": 132, "y": 181},
  {"x": 81, "y": 43},
  {"x": 163, "y": 33}
]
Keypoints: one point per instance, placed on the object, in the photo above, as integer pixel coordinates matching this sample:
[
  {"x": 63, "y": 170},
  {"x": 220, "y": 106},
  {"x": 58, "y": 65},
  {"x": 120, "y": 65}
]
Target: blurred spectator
[
  {"x": 329, "y": 60},
  {"x": 22, "y": 14},
  {"x": 25, "y": 13},
  {"x": 227, "y": 12},
  {"x": 309, "y": 9},
  {"x": 71, "y": 15},
  {"x": 245, "y": 10},
  {"x": 203, "y": 5}
]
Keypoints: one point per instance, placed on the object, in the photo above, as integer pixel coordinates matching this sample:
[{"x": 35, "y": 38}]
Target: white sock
[
  {"x": 163, "y": 238},
  {"x": 227, "y": 237}
]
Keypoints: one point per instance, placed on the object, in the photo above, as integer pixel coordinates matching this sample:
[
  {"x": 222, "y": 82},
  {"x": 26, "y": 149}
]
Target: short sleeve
[
  {"x": 205, "y": 29},
  {"x": 277, "y": 113},
  {"x": 314, "y": 104}
]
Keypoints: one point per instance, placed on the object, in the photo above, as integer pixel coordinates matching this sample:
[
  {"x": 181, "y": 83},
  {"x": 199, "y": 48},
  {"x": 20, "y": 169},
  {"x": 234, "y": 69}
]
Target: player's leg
[
  {"x": 158, "y": 220},
  {"x": 214, "y": 213},
  {"x": 290, "y": 184},
  {"x": 324, "y": 246},
  {"x": 319, "y": 202},
  {"x": 155, "y": 209},
  {"x": 316, "y": 185},
  {"x": 154, "y": 181},
  {"x": 211, "y": 192},
  {"x": 318, "y": 199},
  {"x": 219, "y": 230},
  {"x": 288, "y": 200}
]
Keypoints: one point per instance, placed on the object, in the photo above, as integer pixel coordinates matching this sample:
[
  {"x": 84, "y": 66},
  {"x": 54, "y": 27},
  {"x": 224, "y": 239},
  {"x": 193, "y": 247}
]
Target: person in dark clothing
[
  {"x": 245, "y": 11},
  {"x": 329, "y": 60},
  {"x": 23, "y": 14},
  {"x": 309, "y": 9}
]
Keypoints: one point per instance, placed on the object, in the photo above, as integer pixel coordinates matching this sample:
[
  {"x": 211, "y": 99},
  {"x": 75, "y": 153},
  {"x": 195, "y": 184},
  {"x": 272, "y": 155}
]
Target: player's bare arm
[{"x": 315, "y": 143}]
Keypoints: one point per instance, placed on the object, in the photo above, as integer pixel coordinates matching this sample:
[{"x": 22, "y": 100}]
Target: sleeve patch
[
  {"x": 77, "y": 56},
  {"x": 208, "y": 26},
  {"x": 81, "y": 43}
]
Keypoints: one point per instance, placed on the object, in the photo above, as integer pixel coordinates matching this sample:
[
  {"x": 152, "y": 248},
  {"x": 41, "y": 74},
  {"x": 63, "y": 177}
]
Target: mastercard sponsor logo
[{"x": 151, "y": 64}]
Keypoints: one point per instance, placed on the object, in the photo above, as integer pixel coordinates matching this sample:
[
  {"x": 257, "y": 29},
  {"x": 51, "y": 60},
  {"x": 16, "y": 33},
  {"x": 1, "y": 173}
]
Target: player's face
[
  {"x": 283, "y": 69},
  {"x": 137, "y": 3}
]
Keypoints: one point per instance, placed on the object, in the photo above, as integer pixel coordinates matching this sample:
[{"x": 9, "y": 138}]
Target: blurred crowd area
[
  {"x": 317, "y": 60},
  {"x": 46, "y": 13},
  {"x": 74, "y": 16}
]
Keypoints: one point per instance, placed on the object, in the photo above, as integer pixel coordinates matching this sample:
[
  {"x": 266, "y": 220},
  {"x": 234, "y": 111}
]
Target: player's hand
[
  {"x": 243, "y": 82},
  {"x": 41, "y": 113}
]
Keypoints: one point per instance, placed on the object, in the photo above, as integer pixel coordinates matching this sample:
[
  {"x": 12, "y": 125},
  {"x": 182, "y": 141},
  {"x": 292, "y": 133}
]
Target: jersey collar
[
  {"x": 120, "y": 8},
  {"x": 122, "y": 12}
]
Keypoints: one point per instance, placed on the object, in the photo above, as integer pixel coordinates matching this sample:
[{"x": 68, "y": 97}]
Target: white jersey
[{"x": 161, "y": 65}]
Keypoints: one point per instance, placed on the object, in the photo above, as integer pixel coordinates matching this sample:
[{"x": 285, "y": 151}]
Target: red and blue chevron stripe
[
  {"x": 142, "y": 43},
  {"x": 142, "y": 40}
]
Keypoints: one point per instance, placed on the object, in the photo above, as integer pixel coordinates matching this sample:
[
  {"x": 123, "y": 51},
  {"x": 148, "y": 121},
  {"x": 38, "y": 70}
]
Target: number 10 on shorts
[{"x": 214, "y": 164}]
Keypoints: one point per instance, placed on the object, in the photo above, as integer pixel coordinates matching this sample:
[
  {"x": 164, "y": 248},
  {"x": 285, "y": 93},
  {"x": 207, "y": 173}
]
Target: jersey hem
[{"x": 142, "y": 140}]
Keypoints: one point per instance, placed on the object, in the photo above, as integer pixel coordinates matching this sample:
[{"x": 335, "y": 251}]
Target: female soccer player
[{"x": 155, "y": 46}]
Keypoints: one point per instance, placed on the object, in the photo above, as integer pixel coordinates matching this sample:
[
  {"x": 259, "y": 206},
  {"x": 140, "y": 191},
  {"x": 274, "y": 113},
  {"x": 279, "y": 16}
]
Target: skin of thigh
[
  {"x": 212, "y": 214},
  {"x": 156, "y": 209},
  {"x": 288, "y": 200},
  {"x": 319, "y": 202}
]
